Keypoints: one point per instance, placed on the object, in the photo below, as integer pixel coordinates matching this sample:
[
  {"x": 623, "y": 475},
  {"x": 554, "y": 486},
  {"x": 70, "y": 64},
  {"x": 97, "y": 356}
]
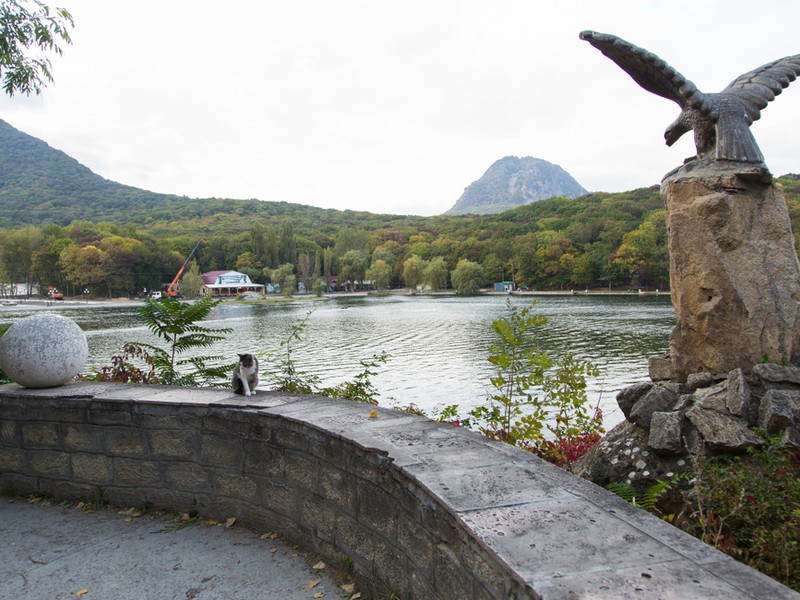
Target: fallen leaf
[
  {"x": 185, "y": 517},
  {"x": 355, "y": 596},
  {"x": 229, "y": 523},
  {"x": 319, "y": 595},
  {"x": 314, "y": 583},
  {"x": 273, "y": 550},
  {"x": 319, "y": 566},
  {"x": 348, "y": 588},
  {"x": 80, "y": 593},
  {"x": 373, "y": 414}
]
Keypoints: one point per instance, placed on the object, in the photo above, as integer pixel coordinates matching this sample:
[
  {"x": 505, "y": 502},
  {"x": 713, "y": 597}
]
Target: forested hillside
[{"x": 67, "y": 227}]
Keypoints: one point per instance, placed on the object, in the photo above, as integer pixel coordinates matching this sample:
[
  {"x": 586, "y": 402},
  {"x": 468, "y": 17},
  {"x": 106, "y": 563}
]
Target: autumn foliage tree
[{"x": 86, "y": 268}]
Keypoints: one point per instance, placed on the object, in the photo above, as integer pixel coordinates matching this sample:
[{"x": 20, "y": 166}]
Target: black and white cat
[{"x": 245, "y": 375}]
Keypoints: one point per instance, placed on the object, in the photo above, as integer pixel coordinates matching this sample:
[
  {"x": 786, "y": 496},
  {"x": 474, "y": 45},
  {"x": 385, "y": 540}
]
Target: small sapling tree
[
  {"x": 178, "y": 324},
  {"x": 537, "y": 403}
]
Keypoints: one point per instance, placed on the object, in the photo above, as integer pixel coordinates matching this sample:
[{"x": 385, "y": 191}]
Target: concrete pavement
[{"x": 52, "y": 551}]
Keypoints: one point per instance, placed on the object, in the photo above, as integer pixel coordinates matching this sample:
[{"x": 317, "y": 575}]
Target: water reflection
[{"x": 437, "y": 345}]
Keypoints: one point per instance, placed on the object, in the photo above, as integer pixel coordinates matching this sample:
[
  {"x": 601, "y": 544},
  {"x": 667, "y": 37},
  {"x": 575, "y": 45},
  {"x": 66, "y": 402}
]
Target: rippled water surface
[{"x": 437, "y": 346}]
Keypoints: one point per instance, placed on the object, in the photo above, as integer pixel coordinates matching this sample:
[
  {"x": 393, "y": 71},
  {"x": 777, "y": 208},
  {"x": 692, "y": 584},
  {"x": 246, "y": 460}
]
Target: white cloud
[{"x": 388, "y": 106}]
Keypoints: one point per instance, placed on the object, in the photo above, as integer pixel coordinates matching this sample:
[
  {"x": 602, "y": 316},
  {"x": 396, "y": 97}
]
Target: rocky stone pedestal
[{"x": 734, "y": 272}]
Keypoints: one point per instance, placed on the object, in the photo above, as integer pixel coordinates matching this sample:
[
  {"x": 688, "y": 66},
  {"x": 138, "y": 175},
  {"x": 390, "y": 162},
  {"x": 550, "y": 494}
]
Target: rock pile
[{"x": 667, "y": 423}]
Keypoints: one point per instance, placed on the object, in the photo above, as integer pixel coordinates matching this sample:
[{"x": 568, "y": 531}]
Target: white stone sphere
[{"x": 43, "y": 351}]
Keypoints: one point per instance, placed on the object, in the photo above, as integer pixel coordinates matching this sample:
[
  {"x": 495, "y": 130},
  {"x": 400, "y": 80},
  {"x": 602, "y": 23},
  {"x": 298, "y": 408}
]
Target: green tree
[
  {"x": 435, "y": 274},
  {"x": 271, "y": 254},
  {"x": 420, "y": 245},
  {"x": 124, "y": 254},
  {"x": 528, "y": 268},
  {"x": 348, "y": 239},
  {"x": 327, "y": 262},
  {"x": 248, "y": 260},
  {"x": 413, "y": 268},
  {"x": 554, "y": 255},
  {"x": 287, "y": 246},
  {"x": 390, "y": 252},
  {"x": 644, "y": 251},
  {"x": 17, "y": 249},
  {"x": 582, "y": 273},
  {"x": 258, "y": 244},
  {"x": 353, "y": 267},
  {"x": 284, "y": 277},
  {"x": 305, "y": 269},
  {"x": 46, "y": 270},
  {"x": 192, "y": 281},
  {"x": 493, "y": 269},
  {"x": 379, "y": 273},
  {"x": 85, "y": 268},
  {"x": 467, "y": 277},
  {"x": 27, "y": 33}
]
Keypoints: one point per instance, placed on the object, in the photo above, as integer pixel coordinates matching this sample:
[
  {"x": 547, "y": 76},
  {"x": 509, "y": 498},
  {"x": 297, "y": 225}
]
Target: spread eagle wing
[
  {"x": 758, "y": 87},
  {"x": 741, "y": 103},
  {"x": 649, "y": 71}
]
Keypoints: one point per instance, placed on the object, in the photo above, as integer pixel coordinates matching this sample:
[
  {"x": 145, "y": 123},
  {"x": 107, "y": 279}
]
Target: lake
[{"x": 437, "y": 345}]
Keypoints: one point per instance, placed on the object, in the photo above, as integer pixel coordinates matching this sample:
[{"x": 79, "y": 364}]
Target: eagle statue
[{"x": 721, "y": 121}]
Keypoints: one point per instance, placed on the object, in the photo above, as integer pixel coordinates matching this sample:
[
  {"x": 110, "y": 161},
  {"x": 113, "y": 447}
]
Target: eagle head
[{"x": 677, "y": 128}]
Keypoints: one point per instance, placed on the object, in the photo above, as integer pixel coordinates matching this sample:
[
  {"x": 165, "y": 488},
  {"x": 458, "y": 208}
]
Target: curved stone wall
[{"x": 419, "y": 508}]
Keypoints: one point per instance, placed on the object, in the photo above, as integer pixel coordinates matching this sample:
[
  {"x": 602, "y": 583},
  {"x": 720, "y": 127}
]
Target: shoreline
[{"x": 41, "y": 304}]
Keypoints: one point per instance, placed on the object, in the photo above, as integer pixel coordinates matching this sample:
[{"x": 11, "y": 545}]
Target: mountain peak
[{"x": 513, "y": 181}]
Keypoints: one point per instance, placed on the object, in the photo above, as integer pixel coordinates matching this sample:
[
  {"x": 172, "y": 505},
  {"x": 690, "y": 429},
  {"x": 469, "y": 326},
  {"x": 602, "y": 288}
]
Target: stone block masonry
[{"x": 421, "y": 509}]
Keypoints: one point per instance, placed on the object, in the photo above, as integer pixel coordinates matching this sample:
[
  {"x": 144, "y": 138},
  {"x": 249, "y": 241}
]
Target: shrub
[
  {"x": 123, "y": 370},
  {"x": 749, "y": 508}
]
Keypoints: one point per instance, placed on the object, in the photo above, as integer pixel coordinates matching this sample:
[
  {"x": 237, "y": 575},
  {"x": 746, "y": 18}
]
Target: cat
[{"x": 245, "y": 375}]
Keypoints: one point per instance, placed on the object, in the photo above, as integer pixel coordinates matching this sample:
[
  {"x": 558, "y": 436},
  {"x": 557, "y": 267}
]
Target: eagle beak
[{"x": 674, "y": 132}]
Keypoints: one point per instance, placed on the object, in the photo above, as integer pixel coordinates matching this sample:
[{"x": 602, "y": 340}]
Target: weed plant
[{"x": 291, "y": 379}]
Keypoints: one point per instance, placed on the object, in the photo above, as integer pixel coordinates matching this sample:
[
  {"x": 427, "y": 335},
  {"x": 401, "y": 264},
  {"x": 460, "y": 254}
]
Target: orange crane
[{"x": 172, "y": 288}]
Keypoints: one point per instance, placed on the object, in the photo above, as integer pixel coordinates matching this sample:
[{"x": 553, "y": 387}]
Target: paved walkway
[{"x": 64, "y": 552}]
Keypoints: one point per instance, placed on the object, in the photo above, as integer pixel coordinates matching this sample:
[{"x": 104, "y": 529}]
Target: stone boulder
[
  {"x": 624, "y": 455},
  {"x": 656, "y": 400},
  {"x": 666, "y": 433},
  {"x": 630, "y": 395},
  {"x": 779, "y": 409},
  {"x": 722, "y": 432}
]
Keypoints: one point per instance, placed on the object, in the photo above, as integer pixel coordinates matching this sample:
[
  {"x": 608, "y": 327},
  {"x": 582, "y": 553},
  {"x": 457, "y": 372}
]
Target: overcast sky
[{"x": 389, "y": 106}]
